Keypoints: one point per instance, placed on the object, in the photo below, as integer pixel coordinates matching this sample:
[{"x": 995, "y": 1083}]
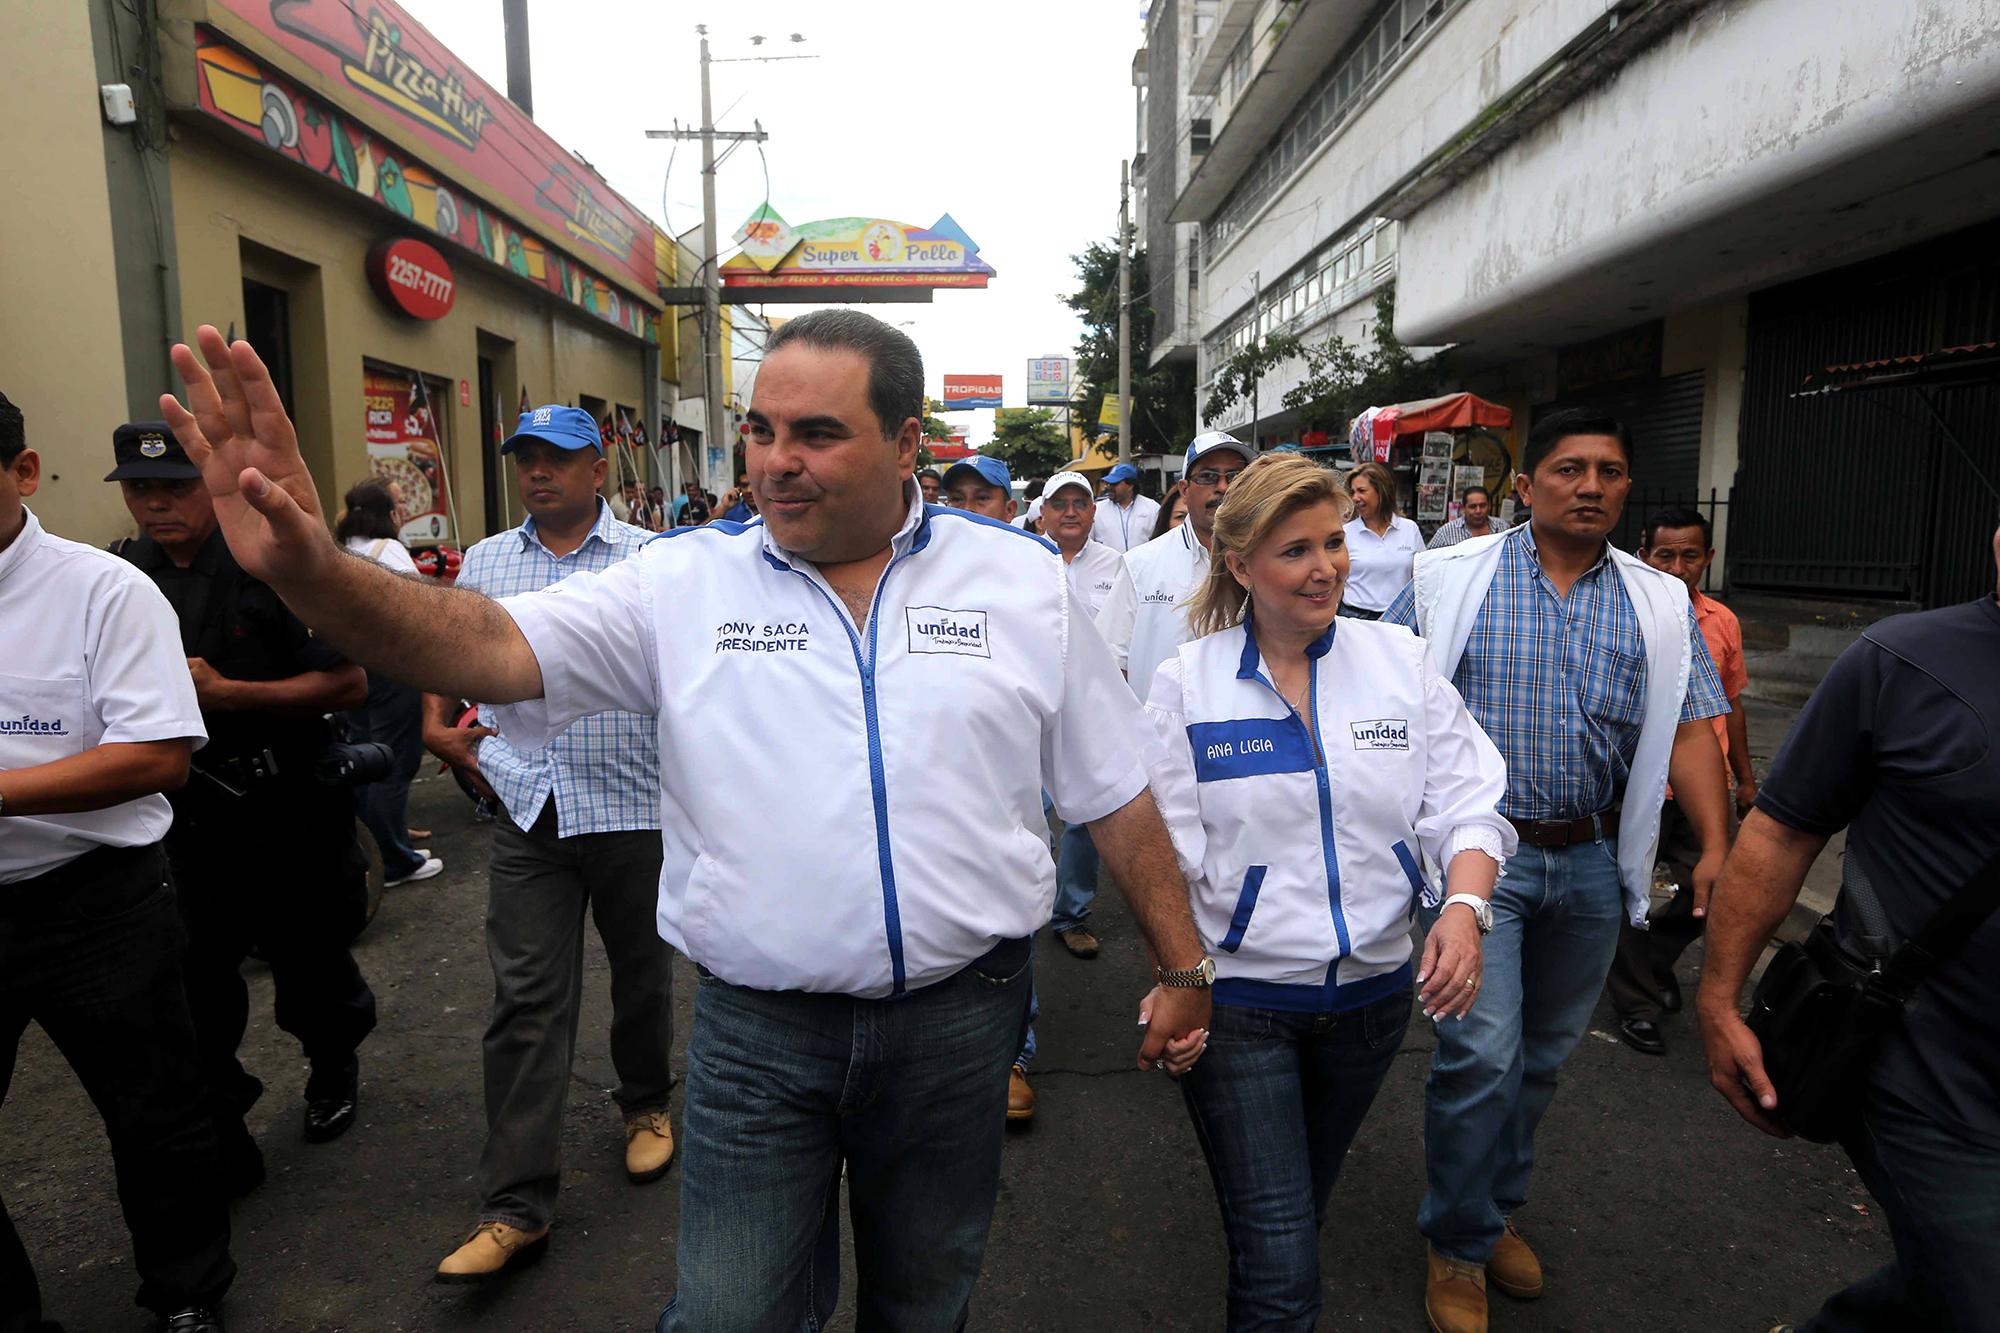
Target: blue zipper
[
  {"x": 1326, "y": 813},
  {"x": 878, "y": 781},
  {"x": 1327, "y": 852}
]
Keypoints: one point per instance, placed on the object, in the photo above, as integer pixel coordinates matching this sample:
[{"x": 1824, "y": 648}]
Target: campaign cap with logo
[
  {"x": 1062, "y": 479},
  {"x": 1204, "y": 445},
  {"x": 148, "y": 451},
  {"x": 1121, "y": 472},
  {"x": 989, "y": 470},
  {"x": 563, "y": 427}
]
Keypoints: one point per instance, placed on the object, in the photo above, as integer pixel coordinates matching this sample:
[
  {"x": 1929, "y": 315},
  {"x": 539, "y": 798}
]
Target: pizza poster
[{"x": 402, "y": 434}]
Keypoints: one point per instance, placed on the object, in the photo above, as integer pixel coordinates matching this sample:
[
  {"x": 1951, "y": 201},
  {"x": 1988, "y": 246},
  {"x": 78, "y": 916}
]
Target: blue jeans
[
  {"x": 1493, "y": 1075},
  {"x": 1941, "y": 1196},
  {"x": 1076, "y": 878},
  {"x": 1027, "y": 1055},
  {"x": 782, "y": 1088},
  {"x": 1275, "y": 1102},
  {"x": 393, "y": 715}
]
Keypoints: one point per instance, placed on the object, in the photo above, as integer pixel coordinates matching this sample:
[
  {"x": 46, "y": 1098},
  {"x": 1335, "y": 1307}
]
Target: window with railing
[
  {"x": 1348, "y": 84},
  {"x": 1330, "y": 279}
]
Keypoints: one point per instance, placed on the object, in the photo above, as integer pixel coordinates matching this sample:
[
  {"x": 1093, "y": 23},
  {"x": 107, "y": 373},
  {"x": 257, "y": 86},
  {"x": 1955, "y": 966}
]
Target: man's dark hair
[
  {"x": 371, "y": 512},
  {"x": 13, "y": 432},
  {"x": 895, "y": 367},
  {"x": 1682, "y": 517},
  {"x": 1559, "y": 426},
  {"x": 1035, "y": 487},
  {"x": 1471, "y": 491},
  {"x": 933, "y": 474}
]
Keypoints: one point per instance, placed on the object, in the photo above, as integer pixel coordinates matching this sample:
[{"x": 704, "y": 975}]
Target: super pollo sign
[{"x": 412, "y": 277}]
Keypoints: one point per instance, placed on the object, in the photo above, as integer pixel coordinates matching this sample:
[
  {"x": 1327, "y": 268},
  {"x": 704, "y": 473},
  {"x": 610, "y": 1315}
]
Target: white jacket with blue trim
[
  {"x": 854, "y": 809},
  {"x": 1306, "y": 870}
]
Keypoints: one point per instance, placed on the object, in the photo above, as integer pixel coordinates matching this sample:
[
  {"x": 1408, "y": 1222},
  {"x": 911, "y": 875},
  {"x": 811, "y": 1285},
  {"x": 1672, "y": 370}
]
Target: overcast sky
[{"x": 1012, "y": 118}]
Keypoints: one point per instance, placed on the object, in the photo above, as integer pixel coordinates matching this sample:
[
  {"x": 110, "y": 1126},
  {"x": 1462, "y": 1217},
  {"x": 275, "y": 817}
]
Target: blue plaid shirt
[
  {"x": 604, "y": 772},
  {"x": 1559, "y": 683}
]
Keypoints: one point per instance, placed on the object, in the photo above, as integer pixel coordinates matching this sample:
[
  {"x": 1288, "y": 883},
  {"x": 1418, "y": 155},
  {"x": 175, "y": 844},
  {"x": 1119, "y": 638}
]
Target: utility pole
[
  {"x": 520, "y": 89},
  {"x": 1256, "y": 349},
  {"x": 711, "y": 278},
  {"x": 712, "y": 350},
  {"x": 1124, "y": 313}
]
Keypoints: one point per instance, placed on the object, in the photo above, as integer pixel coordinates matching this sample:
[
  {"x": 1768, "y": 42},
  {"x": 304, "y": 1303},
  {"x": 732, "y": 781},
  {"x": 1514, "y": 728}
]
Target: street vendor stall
[{"x": 1437, "y": 448}]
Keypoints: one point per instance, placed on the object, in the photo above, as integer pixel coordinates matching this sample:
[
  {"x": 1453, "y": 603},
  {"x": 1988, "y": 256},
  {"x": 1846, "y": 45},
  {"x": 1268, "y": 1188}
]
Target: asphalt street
[{"x": 1654, "y": 1207}]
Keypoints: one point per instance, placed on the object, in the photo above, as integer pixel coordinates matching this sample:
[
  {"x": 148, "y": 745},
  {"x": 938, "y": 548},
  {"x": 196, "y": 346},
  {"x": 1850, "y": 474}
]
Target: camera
[{"x": 354, "y": 763}]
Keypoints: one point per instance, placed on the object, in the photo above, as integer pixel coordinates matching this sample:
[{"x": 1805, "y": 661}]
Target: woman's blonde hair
[
  {"x": 1267, "y": 493},
  {"x": 1383, "y": 480}
]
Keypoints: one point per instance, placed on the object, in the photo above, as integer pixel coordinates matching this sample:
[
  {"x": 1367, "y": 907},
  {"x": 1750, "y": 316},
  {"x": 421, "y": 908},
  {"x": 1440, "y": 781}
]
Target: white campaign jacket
[
  {"x": 1145, "y": 620},
  {"x": 1096, "y": 573},
  {"x": 1305, "y": 870},
  {"x": 854, "y": 809},
  {"x": 1125, "y": 529}
]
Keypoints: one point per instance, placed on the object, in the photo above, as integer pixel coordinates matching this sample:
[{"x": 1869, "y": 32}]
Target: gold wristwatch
[{"x": 1186, "y": 978}]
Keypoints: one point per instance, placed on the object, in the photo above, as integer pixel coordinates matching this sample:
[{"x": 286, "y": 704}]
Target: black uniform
[{"x": 264, "y": 855}]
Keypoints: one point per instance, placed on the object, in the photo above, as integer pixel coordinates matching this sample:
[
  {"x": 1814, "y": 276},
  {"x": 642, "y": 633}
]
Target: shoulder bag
[{"x": 1821, "y": 1012}]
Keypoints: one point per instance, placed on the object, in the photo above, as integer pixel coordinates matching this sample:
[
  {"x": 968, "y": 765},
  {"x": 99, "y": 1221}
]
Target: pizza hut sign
[{"x": 412, "y": 277}]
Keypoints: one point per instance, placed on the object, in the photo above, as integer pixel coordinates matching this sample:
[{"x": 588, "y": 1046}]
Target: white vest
[
  {"x": 1305, "y": 872},
  {"x": 1451, "y": 586}
]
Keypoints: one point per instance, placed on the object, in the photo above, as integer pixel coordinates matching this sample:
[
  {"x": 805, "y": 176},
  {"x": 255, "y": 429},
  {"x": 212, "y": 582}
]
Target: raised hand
[{"x": 236, "y": 431}]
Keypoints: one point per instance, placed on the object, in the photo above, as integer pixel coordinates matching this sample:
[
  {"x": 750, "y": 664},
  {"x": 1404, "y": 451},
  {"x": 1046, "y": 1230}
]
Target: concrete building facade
[
  {"x": 412, "y": 256},
  {"x": 1677, "y": 209}
]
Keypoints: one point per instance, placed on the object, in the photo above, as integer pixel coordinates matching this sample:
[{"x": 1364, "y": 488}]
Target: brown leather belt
[{"x": 1557, "y": 833}]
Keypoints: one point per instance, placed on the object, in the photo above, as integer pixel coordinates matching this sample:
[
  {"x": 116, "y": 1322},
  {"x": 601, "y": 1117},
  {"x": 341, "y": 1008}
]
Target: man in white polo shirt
[
  {"x": 895, "y": 670},
  {"x": 1095, "y": 572},
  {"x": 1125, "y": 518},
  {"x": 97, "y": 719},
  {"x": 1145, "y": 620}
]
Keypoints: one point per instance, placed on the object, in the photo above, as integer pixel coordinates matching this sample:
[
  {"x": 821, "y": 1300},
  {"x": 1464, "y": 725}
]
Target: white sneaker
[{"x": 431, "y": 866}]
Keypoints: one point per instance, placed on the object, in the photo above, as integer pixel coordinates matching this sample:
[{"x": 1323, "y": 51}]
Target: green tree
[
  {"x": 1029, "y": 441},
  {"x": 1162, "y": 396},
  {"x": 1341, "y": 377},
  {"x": 936, "y": 428}
]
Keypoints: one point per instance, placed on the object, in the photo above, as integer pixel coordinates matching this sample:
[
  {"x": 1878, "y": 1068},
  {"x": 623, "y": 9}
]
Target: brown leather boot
[
  {"x": 493, "y": 1248},
  {"x": 1020, "y": 1097},
  {"x": 649, "y": 1146},
  {"x": 1455, "y": 1296},
  {"x": 1514, "y": 1269}
]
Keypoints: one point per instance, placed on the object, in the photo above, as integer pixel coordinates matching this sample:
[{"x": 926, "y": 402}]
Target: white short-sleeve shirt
[
  {"x": 93, "y": 657},
  {"x": 1379, "y": 567},
  {"x": 385, "y": 551}
]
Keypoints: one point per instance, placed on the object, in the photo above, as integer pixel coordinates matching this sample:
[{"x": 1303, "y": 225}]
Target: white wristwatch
[{"x": 1481, "y": 908}]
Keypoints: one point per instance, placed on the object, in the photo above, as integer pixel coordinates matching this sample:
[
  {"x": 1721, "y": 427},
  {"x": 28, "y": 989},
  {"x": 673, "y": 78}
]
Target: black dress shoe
[
  {"x": 194, "y": 1319},
  {"x": 1642, "y": 1034},
  {"x": 330, "y": 1099},
  {"x": 1670, "y": 994}
]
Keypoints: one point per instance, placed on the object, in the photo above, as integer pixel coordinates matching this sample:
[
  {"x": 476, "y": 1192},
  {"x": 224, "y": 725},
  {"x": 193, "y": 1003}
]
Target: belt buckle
[{"x": 1552, "y": 830}]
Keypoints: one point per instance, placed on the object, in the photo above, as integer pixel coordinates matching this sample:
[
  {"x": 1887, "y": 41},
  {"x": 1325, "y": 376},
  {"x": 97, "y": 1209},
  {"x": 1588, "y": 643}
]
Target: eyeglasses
[
  {"x": 1076, "y": 506},
  {"x": 1209, "y": 476}
]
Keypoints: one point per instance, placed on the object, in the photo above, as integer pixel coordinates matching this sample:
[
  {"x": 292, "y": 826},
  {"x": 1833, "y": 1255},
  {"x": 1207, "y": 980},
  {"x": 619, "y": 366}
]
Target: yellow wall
[
  {"x": 313, "y": 241},
  {"x": 61, "y": 361}
]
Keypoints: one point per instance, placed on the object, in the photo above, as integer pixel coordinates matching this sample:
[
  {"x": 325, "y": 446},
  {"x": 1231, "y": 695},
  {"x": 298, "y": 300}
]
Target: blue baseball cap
[
  {"x": 563, "y": 427},
  {"x": 1122, "y": 472},
  {"x": 990, "y": 470}
]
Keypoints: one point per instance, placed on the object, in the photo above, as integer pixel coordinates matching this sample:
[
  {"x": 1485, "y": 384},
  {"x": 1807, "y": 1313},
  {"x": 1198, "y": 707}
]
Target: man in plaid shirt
[
  {"x": 1585, "y": 667},
  {"x": 580, "y": 826}
]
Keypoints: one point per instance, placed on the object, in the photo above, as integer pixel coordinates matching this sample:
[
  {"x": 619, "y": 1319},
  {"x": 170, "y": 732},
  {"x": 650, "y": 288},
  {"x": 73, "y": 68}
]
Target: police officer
[
  {"x": 100, "y": 718},
  {"x": 264, "y": 855}
]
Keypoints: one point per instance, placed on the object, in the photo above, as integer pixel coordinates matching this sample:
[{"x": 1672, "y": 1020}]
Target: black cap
[{"x": 148, "y": 450}]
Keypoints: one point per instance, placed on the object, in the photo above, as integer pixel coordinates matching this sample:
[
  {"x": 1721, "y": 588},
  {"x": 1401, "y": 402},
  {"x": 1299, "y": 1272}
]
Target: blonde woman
[
  {"x": 1310, "y": 767},
  {"x": 1382, "y": 545}
]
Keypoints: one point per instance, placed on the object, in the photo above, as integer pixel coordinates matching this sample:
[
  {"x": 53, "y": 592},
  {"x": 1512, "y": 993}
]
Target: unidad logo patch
[
  {"x": 1382, "y": 733},
  {"x": 937, "y": 629}
]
